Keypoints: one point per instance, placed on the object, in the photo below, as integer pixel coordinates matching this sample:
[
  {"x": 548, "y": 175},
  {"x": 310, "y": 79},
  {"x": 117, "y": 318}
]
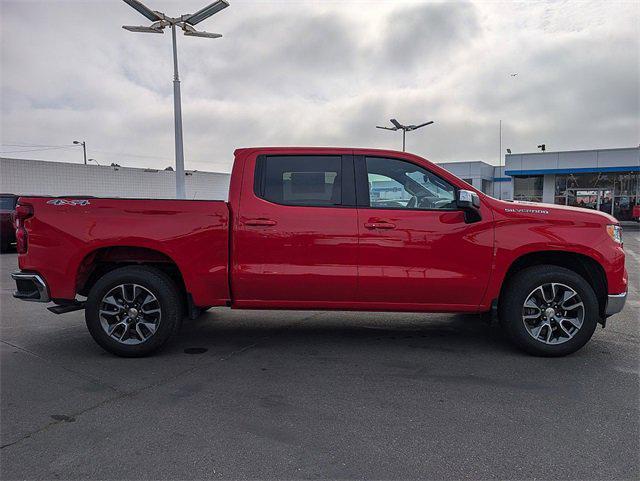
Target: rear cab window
[{"x": 305, "y": 180}]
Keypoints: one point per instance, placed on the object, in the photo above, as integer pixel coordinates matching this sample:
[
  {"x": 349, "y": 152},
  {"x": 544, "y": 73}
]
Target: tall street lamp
[
  {"x": 405, "y": 128},
  {"x": 84, "y": 149},
  {"x": 186, "y": 23}
]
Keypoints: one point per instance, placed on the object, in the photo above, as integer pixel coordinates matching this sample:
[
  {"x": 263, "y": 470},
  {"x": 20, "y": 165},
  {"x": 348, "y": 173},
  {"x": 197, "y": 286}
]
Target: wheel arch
[
  {"x": 101, "y": 260},
  {"x": 585, "y": 266}
]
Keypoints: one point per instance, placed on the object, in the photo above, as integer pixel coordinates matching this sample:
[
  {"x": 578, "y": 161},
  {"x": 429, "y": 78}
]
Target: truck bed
[{"x": 66, "y": 233}]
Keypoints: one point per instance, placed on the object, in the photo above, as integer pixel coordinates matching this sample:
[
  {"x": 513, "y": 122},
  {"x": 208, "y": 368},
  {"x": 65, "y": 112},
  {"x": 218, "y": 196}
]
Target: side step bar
[{"x": 64, "y": 308}]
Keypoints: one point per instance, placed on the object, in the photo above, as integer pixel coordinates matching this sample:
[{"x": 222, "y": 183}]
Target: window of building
[
  {"x": 613, "y": 193},
  {"x": 300, "y": 180},
  {"x": 528, "y": 188},
  {"x": 486, "y": 186},
  {"x": 396, "y": 184}
]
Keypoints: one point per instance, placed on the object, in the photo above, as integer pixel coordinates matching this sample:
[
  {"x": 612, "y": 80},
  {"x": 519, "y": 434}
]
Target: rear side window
[{"x": 305, "y": 180}]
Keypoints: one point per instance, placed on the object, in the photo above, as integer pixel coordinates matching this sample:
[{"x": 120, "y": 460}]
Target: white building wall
[
  {"x": 618, "y": 157},
  {"x": 37, "y": 177},
  {"x": 503, "y": 185},
  {"x": 549, "y": 188},
  {"x": 574, "y": 159},
  {"x": 497, "y": 184}
]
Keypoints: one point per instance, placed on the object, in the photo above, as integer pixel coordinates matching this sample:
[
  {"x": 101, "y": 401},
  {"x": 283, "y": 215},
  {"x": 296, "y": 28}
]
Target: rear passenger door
[{"x": 296, "y": 235}]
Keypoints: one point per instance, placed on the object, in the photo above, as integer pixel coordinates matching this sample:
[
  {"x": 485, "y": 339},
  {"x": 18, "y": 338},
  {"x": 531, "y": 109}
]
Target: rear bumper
[
  {"x": 30, "y": 286},
  {"x": 615, "y": 303}
]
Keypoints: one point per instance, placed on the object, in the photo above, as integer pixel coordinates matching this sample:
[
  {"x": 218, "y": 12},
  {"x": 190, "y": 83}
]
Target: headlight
[{"x": 615, "y": 232}]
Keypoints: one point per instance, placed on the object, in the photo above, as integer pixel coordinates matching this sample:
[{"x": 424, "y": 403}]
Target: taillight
[{"x": 23, "y": 212}]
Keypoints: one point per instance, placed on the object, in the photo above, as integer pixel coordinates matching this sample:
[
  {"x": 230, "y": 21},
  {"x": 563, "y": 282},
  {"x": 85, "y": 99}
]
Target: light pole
[
  {"x": 405, "y": 128},
  {"x": 93, "y": 160},
  {"x": 84, "y": 149},
  {"x": 186, "y": 22}
]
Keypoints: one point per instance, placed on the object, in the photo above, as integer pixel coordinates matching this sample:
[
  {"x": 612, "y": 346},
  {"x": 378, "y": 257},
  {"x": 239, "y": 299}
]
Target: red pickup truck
[{"x": 320, "y": 228}]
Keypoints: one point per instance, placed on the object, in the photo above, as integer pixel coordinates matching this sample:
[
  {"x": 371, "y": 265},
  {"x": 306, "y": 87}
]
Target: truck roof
[{"x": 326, "y": 150}]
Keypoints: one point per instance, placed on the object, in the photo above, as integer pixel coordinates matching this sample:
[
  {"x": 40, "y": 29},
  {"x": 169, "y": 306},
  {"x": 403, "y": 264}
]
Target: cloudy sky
[{"x": 319, "y": 73}]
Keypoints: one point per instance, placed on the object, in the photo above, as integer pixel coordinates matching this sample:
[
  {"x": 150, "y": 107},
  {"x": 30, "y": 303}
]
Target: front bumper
[
  {"x": 615, "y": 303},
  {"x": 30, "y": 286}
]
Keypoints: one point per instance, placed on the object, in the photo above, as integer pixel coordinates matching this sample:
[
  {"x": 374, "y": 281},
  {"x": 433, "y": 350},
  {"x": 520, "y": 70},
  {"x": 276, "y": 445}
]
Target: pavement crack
[
  {"x": 61, "y": 366},
  {"x": 121, "y": 395}
]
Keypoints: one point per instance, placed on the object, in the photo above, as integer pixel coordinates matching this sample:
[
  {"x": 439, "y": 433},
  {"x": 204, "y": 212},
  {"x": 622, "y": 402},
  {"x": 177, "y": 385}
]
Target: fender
[{"x": 504, "y": 260}]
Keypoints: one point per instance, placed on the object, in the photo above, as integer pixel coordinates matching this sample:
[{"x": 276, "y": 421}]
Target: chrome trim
[
  {"x": 615, "y": 303},
  {"x": 38, "y": 282}
]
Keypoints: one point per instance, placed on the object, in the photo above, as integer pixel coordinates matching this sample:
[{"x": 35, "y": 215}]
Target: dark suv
[{"x": 7, "y": 230}]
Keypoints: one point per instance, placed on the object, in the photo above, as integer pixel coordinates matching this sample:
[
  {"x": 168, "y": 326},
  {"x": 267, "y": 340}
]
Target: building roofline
[
  {"x": 569, "y": 151},
  {"x": 466, "y": 162},
  {"x": 92, "y": 166}
]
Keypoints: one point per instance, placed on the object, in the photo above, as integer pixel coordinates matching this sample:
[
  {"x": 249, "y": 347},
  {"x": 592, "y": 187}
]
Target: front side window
[
  {"x": 309, "y": 180},
  {"x": 396, "y": 184}
]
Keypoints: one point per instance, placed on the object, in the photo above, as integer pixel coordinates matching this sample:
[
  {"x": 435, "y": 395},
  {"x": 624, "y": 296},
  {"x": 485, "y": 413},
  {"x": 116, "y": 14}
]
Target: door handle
[
  {"x": 260, "y": 222},
  {"x": 380, "y": 225}
]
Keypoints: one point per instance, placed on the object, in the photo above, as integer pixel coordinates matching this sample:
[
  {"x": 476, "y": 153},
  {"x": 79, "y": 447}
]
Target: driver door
[{"x": 416, "y": 252}]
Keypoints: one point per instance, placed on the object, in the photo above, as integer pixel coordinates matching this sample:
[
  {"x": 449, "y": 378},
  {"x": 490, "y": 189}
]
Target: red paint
[{"x": 318, "y": 257}]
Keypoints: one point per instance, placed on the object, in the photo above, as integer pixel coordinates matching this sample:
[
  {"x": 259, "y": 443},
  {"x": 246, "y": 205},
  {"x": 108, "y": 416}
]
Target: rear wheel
[
  {"x": 132, "y": 311},
  {"x": 549, "y": 310}
]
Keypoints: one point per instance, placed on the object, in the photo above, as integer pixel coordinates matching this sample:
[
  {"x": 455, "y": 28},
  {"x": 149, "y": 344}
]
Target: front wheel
[
  {"x": 132, "y": 311},
  {"x": 549, "y": 310}
]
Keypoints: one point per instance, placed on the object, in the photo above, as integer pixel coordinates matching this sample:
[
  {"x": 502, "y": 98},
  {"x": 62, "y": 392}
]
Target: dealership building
[{"x": 603, "y": 179}]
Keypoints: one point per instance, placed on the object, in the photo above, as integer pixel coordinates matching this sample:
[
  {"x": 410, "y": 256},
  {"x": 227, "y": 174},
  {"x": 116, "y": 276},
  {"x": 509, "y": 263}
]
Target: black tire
[
  {"x": 517, "y": 292},
  {"x": 156, "y": 282}
]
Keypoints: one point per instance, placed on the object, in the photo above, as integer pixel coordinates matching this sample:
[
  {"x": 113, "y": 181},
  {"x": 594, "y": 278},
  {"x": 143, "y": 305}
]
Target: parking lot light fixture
[
  {"x": 84, "y": 148},
  {"x": 186, "y": 23},
  {"x": 405, "y": 128}
]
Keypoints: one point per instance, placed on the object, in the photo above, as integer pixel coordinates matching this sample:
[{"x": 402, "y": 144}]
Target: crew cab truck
[{"x": 321, "y": 228}]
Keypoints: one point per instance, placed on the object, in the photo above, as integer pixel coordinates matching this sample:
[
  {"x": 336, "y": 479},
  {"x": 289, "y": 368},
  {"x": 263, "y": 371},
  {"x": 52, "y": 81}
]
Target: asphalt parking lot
[{"x": 293, "y": 395}]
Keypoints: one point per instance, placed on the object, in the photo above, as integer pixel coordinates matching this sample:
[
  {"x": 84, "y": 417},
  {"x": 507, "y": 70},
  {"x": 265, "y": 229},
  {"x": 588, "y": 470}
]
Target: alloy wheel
[
  {"x": 553, "y": 313},
  {"x": 130, "y": 314}
]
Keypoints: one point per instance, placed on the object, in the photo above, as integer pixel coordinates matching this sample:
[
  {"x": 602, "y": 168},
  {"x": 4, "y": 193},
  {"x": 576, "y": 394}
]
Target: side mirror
[{"x": 469, "y": 202}]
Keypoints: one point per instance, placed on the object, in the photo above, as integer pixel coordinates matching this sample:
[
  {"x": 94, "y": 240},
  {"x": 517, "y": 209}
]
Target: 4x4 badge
[{"x": 68, "y": 202}]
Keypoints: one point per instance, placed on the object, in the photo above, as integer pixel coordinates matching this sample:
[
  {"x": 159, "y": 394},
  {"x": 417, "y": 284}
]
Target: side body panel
[
  {"x": 307, "y": 259},
  {"x": 194, "y": 234}
]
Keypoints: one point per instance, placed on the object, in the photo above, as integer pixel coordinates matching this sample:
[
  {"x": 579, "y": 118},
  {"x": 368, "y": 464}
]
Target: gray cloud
[
  {"x": 427, "y": 33},
  {"x": 311, "y": 73}
]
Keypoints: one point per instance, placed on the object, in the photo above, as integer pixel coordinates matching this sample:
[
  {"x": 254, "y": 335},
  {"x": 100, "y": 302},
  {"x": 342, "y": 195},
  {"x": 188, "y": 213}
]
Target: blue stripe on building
[{"x": 581, "y": 170}]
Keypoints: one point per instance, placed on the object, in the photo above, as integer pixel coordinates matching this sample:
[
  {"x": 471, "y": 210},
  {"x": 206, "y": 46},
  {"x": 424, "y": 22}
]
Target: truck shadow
[{"x": 308, "y": 332}]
